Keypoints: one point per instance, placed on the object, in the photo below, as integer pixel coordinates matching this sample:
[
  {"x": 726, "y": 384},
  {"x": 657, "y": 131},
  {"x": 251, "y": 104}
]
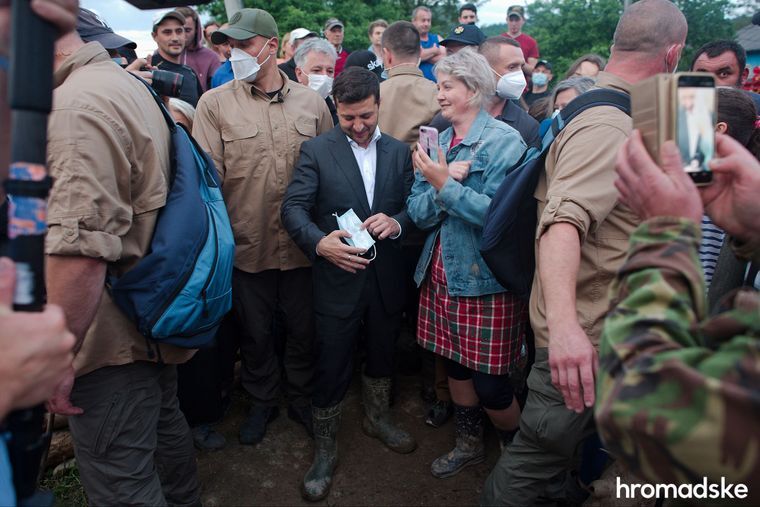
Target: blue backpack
[
  {"x": 508, "y": 240},
  {"x": 179, "y": 292}
]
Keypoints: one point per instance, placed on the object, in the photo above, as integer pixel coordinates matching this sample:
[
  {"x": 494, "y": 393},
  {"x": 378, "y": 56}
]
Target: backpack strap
[
  {"x": 592, "y": 98},
  {"x": 167, "y": 115}
]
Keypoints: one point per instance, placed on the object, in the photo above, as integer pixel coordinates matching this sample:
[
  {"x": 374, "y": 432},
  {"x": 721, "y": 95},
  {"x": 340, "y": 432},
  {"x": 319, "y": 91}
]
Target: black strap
[
  {"x": 167, "y": 115},
  {"x": 592, "y": 98}
]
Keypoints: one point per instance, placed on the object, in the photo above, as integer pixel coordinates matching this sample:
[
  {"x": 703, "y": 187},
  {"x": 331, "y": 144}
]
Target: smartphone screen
[
  {"x": 695, "y": 125},
  {"x": 429, "y": 142}
]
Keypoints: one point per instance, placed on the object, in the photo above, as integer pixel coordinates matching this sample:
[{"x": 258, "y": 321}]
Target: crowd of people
[{"x": 614, "y": 339}]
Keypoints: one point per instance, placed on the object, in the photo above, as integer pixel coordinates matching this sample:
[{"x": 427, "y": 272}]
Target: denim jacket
[{"x": 458, "y": 210}]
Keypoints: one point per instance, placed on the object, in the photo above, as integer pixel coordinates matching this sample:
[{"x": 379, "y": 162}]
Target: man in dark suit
[{"x": 353, "y": 167}]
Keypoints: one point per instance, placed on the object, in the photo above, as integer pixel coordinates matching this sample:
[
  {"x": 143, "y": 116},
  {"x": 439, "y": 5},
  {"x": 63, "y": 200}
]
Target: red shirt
[
  {"x": 528, "y": 45},
  {"x": 340, "y": 62}
]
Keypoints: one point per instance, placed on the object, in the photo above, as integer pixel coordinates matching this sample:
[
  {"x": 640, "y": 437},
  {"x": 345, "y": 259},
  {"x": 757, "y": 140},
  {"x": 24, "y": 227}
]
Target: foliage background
[{"x": 564, "y": 29}]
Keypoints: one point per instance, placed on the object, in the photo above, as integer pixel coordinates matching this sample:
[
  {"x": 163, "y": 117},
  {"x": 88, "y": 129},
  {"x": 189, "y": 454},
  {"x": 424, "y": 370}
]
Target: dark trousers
[
  {"x": 203, "y": 380},
  {"x": 256, "y": 297},
  {"x": 132, "y": 444},
  {"x": 336, "y": 341}
]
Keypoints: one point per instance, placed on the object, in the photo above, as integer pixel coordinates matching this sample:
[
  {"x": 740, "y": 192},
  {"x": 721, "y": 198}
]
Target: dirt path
[{"x": 368, "y": 474}]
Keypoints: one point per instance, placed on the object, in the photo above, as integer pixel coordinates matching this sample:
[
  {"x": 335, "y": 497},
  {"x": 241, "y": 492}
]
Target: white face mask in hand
[
  {"x": 511, "y": 85},
  {"x": 360, "y": 238},
  {"x": 321, "y": 83},
  {"x": 244, "y": 66}
]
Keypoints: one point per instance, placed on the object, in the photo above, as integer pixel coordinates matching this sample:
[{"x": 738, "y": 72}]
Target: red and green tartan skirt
[{"x": 483, "y": 333}]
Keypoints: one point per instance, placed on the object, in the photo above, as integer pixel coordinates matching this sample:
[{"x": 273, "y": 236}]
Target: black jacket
[{"x": 327, "y": 180}]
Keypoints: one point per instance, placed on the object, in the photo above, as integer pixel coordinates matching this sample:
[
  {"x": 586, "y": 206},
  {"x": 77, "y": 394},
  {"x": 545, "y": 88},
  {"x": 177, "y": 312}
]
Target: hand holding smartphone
[
  {"x": 681, "y": 108},
  {"x": 429, "y": 142}
]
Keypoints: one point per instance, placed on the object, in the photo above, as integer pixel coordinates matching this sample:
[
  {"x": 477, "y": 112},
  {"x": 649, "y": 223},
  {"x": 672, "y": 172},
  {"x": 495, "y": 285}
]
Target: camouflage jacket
[{"x": 679, "y": 396}]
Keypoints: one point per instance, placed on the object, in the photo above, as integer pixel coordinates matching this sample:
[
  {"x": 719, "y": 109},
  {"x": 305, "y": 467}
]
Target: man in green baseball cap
[
  {"x": 253, "y": 127},
  {"x": 247, "y": 23}
]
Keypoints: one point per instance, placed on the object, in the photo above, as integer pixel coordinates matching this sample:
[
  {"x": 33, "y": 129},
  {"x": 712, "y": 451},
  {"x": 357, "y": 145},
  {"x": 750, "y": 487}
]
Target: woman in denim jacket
[{"x": 465, "y": 315}]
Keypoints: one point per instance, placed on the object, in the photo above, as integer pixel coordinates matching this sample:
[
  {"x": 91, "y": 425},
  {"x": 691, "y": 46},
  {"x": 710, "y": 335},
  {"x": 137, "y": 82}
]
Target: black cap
[
  {"x": 468, "y": 7},
  {"x": 92, "y": 27},
  {"x": 366, "y": 60},
  {"x": 469, "y": 35},
  {"x": 543, "y": 63}
]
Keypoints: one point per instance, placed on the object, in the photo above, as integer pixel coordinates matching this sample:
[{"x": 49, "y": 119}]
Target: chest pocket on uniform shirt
[
  {"x": 241, "y": 145},
  {"x": 304, "y": 129}
]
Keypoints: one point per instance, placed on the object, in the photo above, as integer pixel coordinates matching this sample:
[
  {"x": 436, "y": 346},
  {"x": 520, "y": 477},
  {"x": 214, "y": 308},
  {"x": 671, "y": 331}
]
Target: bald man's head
[{"x": 650, "y": 27}]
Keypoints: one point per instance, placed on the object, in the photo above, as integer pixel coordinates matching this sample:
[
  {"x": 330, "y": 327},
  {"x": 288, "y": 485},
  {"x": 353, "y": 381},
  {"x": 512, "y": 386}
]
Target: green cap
[{"x": 247, "y": 23}]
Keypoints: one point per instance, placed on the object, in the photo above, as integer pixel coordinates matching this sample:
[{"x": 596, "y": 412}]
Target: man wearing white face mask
[
  {"x": 315, "y": 68},
  {"x": 253, "y": 128},
  {"x": 506, "y": 59}
]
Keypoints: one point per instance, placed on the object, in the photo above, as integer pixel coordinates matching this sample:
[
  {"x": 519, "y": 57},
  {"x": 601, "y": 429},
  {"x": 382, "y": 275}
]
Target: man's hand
[
  {"x": 136, "y": 66},
  {"x": 382, "y": 226},
  {"x": 342, "y": 255},
  {"x": 36, "y": 349},
  {"x": 733, "y": 199},
  {"x": 62, "y": 13},
  {"x": 573, "y": 362},
  {"x": 435, "y": 173},
  {"x": 60, "y": 401},
  {"x": 651, "y": 191}
]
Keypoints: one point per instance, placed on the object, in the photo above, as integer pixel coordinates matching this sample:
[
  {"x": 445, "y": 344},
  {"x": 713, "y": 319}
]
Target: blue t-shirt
[
  {"x": 222, "y": 75},
  {"x": 7, "y": 492},
  {"x": 427, "y": 67}
]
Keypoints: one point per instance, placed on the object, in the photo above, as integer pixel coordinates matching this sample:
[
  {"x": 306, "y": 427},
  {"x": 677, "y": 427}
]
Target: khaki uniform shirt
[
  {"x": 578, "y": 188},
  {"x": 407, "y": 101},
  {"x": 109, "y": 154},
  {"x": 255, "y": 141}
]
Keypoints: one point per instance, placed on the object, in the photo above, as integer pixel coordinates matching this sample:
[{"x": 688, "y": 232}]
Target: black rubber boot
[
  {"x": 376, "y": 393},
  {"x": 469, "y": 448},
  {"x": 317, "y": 481}
]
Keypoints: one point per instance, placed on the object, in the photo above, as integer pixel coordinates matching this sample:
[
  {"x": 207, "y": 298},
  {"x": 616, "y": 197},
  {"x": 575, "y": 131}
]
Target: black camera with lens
[{"x": 167, "y": 84}]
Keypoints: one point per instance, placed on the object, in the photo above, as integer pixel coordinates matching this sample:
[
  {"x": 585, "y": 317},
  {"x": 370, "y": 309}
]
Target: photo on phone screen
[
  {"x": 695, "y": 125},
  {"x": 429, "y": 142}
]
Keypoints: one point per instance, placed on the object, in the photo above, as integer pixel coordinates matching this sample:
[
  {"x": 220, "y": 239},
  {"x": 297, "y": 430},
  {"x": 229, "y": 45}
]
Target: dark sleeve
[{"x": 298, "y": 204}]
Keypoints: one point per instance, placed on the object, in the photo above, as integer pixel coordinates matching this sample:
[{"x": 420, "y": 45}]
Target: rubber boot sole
[
  {"x": 369, "y": 430},
  {"x": 476, "y": 460},
  {"x": 309, "y": 498}
]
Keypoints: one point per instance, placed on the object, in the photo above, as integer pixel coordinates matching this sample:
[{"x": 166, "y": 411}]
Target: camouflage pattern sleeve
[{"x": 678, "y": 399}]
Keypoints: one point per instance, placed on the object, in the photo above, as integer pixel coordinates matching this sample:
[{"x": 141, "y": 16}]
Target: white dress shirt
[{"x": 366, "y": 159}]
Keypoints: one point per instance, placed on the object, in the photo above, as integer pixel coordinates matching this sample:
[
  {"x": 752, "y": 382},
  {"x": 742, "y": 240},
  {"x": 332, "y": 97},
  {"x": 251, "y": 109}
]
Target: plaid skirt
[{"x": 483, "y": 333}]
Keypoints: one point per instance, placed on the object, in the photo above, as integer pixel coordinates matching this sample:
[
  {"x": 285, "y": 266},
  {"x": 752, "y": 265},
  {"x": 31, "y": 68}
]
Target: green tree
[
  {"x": 355, "y": 14},
  {"x": 567, "y": 29}
]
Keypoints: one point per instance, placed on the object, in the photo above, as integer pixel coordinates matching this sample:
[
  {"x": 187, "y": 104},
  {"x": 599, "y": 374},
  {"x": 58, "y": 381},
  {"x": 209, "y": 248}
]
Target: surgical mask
[
  {"x": 321, "y": 83},
  {"x": 244, "y": 66},
  {"x": 555, "y": 113},
  {"x": 540, "y": 79},
  {"x": 360, "y": 238},
  {"x": 511, "y": 85}
]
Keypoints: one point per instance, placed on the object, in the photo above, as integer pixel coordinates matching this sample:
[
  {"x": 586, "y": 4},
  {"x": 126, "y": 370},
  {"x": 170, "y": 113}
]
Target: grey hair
[
  {"x": 581, "y": 84},
  {"x": 472, "y": 69},
  {"x": 420, "y": 8},
  {"x": 313, "y": 44},
  {"x": 187, "y": 110}
]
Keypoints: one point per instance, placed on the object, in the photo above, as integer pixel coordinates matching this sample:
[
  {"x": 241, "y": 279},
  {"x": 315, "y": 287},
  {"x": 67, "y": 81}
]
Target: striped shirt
[{"x": 709, "y": 249}]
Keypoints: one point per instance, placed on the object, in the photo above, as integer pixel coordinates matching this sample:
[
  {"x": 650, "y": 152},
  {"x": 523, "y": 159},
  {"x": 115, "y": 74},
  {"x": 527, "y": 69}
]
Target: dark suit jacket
[{"x": 327, "y": 180}]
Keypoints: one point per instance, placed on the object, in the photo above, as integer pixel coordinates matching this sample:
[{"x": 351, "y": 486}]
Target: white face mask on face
[
  {"x": 244, "y": 66},
  {"x": 321, "y": 83},
  {"x": 511, "y": 85}
]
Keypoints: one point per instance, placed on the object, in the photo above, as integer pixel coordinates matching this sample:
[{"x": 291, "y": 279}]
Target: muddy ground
[{"x": 368, "y": 473}]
